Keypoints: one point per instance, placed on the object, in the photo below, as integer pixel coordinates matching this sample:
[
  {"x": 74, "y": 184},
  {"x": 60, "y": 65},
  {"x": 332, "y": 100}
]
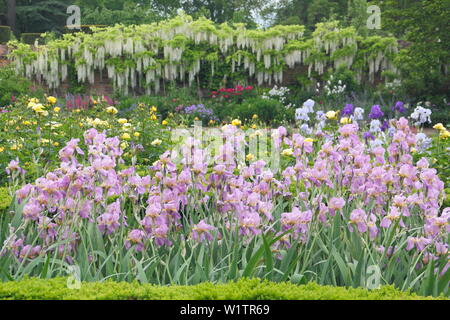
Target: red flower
[
  {"x": 249, "y": 88},
  {"x": 239, "y": 88},
  {"x": 226, "y": 96}
]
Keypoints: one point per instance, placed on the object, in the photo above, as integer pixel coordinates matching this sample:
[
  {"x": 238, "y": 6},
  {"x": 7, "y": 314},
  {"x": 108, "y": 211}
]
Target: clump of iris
[{"x": 200, "y": 111}]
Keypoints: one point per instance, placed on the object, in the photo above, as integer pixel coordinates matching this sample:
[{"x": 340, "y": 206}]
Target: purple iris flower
[
  {"x": 348, "y": 110},
  {"x": 368, "y": 135},
  {"x": 375, "y": 112},
  {"x": 385, "y": 125},
  {"x": 399, "y": 106}
]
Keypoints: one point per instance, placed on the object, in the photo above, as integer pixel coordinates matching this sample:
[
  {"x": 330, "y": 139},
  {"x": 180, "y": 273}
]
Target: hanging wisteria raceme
[{"x": 145, "y": 55}]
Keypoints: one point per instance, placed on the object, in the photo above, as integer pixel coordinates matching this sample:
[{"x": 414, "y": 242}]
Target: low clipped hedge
[
  {"x": 30, "y": 38},
  {"x": 5, "y": 199},
  {"x": 5, "y": 34},
  {"x": 245, "y": 289}
]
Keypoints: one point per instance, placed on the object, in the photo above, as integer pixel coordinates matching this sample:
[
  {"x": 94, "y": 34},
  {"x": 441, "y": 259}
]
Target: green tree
[
  {"x": 41, "y": 15},
  {"x": 424, "y": 60}
]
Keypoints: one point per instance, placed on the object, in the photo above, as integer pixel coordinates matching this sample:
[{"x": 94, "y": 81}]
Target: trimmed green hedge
[
  {"x": 5, "y": 199},
  {"x": 30, "y": 38},
  {"x": 5, "y": 34},
  {"x": 245, "y": 289}
]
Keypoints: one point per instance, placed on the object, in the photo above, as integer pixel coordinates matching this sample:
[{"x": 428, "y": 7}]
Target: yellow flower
[
  {"x": 57, "y": 109},
  {"x": 34, "y": 100},
  {"x": 331, "y": 115},
  {"x": 254, "y": 126},
  {"x": 287, "y": 152},
  {"x": 413, "y": 150},
  {"x": 126, "y": 136},
  {"x": 196, "y": 119},
  {"x": 439, "y": 127},
  {"x": 95, "y": 102},
  {"x": 346, "y": 120},
  {"x": 56, "y": 144},
  {"x": 81, "y": 124},
  {"x": 236, "y": 122},
  {"x": 250, "y": 157},
  {"x": 156, "y": 142},
  {"x": 2, "y": 149},
  {"x": 51, "y": 100},
  {"x": 111, "y": 110},
  {"x": 38, "y": 108},
  {"x": 122, "y": 121},
  {"x": 309, "y": 140},
  {"x": 137, "y": 134},
  {"x": 154, "y": 109},
  {"x": 165, "y": 123},
  {"x": 123, "y": 145},
  {"x": 153, "y": 117},
  {"x": 16, "y": 146},
  {"x": 444, "y": 134},
  {"x": 255, "y": 116}
]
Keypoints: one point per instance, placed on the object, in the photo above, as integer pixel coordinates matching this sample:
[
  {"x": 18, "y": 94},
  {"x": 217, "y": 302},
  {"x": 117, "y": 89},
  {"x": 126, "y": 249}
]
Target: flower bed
[{"x": 336, "y": 210}]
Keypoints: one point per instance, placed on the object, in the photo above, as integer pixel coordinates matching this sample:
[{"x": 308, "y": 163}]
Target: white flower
[
  {"x": 320, "y": 116},
  {"x": 301, "y": 114},
  {"x": 309, "y": 104},
  {"x": 306, "y": 129},
  {"x": 421, "y": 115},
  {"x": 358, "y": 114},
  {"x": 375, "y": 126},
  {"x": 375, "y": 143}
]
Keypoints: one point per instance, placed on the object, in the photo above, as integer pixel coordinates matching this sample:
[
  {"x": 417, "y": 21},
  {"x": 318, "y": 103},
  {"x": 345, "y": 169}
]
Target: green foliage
[
  {"x": 5, "y": 34},
  {"x": 268, "y": 110},
  {"x": 42, "y": 15},
  {"x": 244, "y": 289},
  {"x": 11, "y": 85},
  {"x": 424, "y": 26},
  {"x": 127, "y": 16}
]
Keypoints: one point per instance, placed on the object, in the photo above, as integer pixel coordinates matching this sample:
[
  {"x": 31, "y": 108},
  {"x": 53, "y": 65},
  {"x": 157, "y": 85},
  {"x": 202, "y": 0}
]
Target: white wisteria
[{"x": 174, "y": 50}]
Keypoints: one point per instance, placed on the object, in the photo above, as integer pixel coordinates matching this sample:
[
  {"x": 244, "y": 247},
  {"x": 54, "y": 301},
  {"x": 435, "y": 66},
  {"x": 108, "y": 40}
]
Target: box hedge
[
  {"x": 30, "y": 38},
  {"x": 5, "y": 34},
  {"x": 5, "y": 199},
  {"x": 244, "y": 289}
]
